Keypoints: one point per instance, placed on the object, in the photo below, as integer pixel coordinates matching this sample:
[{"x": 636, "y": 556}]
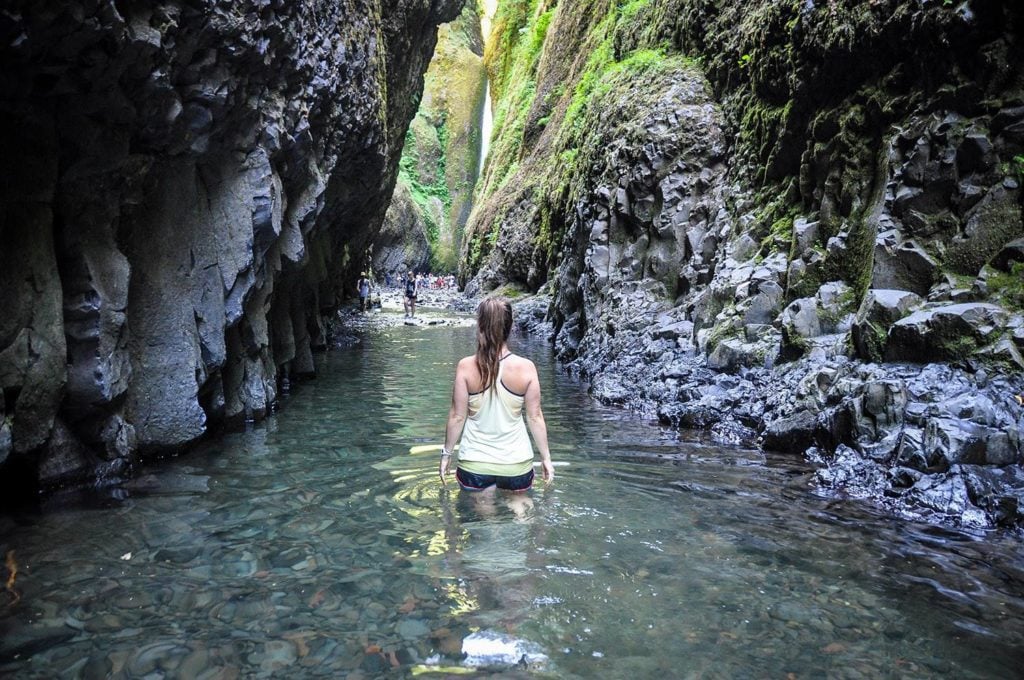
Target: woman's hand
[
  {"x": 442, "y": 467},
  {"x": 548, "y": 468}
]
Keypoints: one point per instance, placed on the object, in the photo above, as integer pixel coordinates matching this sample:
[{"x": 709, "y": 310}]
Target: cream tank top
[{"x": 495, "y": 431}]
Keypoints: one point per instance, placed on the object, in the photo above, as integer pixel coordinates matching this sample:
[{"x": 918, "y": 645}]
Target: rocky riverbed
[{"x": 937, "y": 441}]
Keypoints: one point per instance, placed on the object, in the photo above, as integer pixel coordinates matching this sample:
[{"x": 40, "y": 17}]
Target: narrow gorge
[
  {"x": 792, "y": 224},
  {"x": 766, "y": 264}
]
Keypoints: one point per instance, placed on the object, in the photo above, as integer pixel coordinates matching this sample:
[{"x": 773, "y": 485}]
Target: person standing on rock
[
  {"x": 411, "y": 290},
  {"x": 364, "y": 292},
  {"x": 491, "y": 389}
]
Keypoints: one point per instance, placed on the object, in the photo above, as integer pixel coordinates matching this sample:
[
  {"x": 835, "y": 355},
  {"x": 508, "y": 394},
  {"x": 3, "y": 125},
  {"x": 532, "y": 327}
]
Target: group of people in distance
[{"x": 412, "y": 283}]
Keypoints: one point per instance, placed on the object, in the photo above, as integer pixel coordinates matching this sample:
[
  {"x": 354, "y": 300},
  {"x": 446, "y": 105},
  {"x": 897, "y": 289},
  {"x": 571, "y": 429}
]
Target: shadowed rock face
[{"x": 181, "y": 184}]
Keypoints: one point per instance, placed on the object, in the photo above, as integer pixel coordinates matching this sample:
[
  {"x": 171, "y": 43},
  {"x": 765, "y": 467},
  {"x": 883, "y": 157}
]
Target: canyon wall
[
  {"x": 187, "y": 186},
  {"x": 428, "y": 213},
  {"x": 792, "y": 223}
]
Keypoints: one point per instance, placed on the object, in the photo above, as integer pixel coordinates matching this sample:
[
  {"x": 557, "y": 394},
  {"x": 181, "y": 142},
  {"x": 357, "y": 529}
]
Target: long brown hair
[{"x": 493, "y": 325}]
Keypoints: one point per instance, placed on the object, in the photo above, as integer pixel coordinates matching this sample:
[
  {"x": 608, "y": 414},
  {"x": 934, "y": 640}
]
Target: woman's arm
[
  {"x": 535, "y": 421},
  {"x": 456, "y": 418}
]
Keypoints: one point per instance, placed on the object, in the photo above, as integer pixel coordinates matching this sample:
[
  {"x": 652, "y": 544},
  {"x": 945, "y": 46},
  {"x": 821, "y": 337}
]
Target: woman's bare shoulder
[
  {"x": 521, "y": 360},
  {"x": 522, "y": 365}
]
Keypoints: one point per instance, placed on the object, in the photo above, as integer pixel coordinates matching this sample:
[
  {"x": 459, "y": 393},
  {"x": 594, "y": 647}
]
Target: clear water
[{"x": 314, "y": 545}]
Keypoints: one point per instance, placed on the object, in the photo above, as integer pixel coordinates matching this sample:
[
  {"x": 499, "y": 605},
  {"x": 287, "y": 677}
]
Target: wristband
[{"x": 445, "y": 453}]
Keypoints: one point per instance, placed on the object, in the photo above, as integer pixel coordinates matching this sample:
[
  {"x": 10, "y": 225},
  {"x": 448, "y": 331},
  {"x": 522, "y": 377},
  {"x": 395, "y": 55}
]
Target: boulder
[
  {"x": 946, "y": 333},
  {"x": 946, "y": 496},
  {"x": 792, "y": 434},
  {"x": 805, "y": 234},
  {"x": 906, "y": 266},
  {"x": 879, "y": 310},
  {"x": 884, "y": 402},
  {"x": 1010, "y": 253},
  {"x": 800, "y": 319},
  {"x": 992, "y": 223},
  {"x": 732, "y": 354},
  {"x": 974, "y": 155},
  {"x": 998, "y": 491},
  {"x": 949, "y": 441}
]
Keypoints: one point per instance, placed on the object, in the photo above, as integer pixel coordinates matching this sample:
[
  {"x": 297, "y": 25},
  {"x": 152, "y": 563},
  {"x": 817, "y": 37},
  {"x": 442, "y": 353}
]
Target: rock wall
[
  {"x": 186, "y": 188},
  {"x": 796, "y": 223},
  {"x": 440, "y": 158}
]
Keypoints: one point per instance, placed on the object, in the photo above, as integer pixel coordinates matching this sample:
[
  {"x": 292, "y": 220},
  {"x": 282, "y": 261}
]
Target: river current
[{"x": 314, "y": 545}]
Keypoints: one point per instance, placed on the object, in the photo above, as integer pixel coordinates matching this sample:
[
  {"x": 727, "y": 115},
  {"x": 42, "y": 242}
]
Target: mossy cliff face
[
  {"x": 707, "y": 187},
  {"x": 441, "y": 154},
  {"x": 877, "y": 145},
  {"x": 184, "y": 187}
]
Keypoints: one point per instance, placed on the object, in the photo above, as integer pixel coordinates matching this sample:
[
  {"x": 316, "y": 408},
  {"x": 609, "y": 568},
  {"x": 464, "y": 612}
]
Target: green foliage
[
  {"x": 744, "y": 60},
  {"x": 423, "y": 192}
]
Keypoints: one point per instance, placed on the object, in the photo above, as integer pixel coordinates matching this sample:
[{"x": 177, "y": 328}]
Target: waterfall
[{"x": 486, "y": 114}]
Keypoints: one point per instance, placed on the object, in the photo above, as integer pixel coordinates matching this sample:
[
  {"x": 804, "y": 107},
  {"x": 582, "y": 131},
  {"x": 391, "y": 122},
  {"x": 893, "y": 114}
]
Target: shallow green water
[{"x": 313, "y": 545}]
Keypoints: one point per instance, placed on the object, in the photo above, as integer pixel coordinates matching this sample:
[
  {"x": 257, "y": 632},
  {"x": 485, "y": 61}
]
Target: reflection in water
[{"x": 313, "y": 544}]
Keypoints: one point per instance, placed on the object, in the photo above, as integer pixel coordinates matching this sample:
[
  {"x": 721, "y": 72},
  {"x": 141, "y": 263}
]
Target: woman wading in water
[{"x": 491, "y": 388}]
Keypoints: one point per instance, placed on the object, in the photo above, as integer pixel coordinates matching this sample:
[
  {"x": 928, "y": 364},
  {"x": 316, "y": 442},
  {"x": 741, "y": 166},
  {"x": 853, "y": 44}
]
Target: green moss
[
  {"x": 957, "y": 347},
  {"x": 721, "y": 331},
  {"x": 632, "y": 8},
  {"x": 510, "y": 291},
  {"x": 874, "y": 340},
  {"x": 1008, "y": 288}
]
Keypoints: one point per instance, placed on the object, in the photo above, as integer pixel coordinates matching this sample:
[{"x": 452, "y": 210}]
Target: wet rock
[
  {"x": 884, "y": 402},
  {"x": 946, "y": 495},
  {"x": 792, "y": 434},
  {"x": 948, "y": 442},
  {"x": 412, "y": 629},
  {"x": 944, "y": 333},
  {"x": 903, "y": 266},
  {"x": 730, "y": 433},
  {"x": 24, "y": 641},
  {"x": 879, "y": 310},
  {"x": 999, "y": 491},
  {"x": 851, "y": 473}
]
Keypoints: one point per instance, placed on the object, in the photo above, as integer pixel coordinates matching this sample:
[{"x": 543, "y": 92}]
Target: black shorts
[{"x": 470, "y": 481}]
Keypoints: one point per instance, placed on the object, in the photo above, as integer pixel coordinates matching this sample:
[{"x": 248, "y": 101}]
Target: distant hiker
[
  {"x": 412, "y": 288},
  {"x": 492, "y": 390},
  {"x": 387, "y": 279},
  {"x": 364, "y": 292}
]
